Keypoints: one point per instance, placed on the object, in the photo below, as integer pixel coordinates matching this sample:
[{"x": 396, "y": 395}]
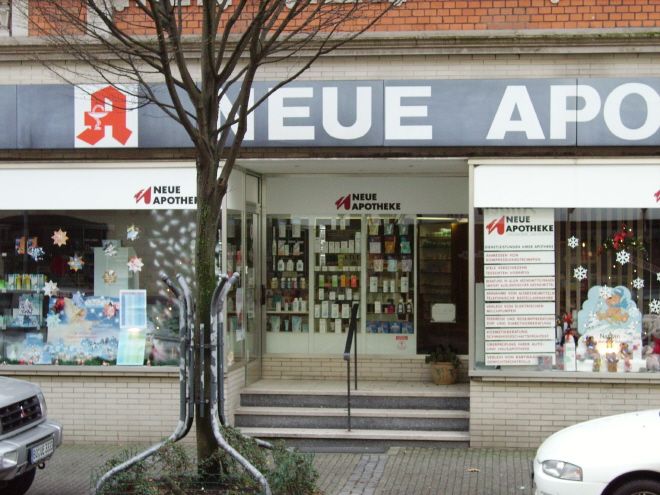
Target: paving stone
[{"x": 404, "y": 471}]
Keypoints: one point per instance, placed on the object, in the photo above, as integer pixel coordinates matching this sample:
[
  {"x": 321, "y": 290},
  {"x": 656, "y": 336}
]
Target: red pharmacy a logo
[
  {"x": 107, "y": 109},
  {"x": 143, "y": 195},
  {"x": 344, "y": 201},
  {"x": 657, "y": 196},
  {"x": 497, "y": 224}
]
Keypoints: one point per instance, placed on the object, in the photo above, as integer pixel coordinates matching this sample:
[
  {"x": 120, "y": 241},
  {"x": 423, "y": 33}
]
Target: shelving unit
[
  {"x": 338, "y": 259},
  {"x": 287, "y": 295},
  {"x": 390, "y": 276}
]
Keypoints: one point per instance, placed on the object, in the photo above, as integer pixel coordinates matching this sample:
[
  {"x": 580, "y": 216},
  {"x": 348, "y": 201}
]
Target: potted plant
[{"x": 444, "y": 365}]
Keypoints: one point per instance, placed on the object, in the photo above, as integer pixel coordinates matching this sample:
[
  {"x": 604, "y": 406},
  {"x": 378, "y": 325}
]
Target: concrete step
[
  {"x": 361, "y": 418},
  {"x": 454, "y": 400},
  {"x": 335, "y": 439}
]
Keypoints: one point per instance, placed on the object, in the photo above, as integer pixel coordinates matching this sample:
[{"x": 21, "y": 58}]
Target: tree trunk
[{"x": 208, "y": 211}]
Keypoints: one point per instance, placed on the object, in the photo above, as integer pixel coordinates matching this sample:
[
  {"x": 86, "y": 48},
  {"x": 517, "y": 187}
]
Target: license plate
[{"x": 41, "y": 451}]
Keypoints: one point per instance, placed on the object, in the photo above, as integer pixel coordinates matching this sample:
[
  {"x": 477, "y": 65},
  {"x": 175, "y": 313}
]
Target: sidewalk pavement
[{"x": 404, "y": 471}]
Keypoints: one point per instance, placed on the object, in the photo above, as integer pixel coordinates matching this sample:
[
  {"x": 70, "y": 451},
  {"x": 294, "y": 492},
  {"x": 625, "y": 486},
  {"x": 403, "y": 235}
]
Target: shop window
[
  {"x": 568, "y": 289},
  {"x": 82, "y": 287}
]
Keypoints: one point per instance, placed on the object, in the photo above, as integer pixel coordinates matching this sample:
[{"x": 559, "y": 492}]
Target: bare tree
[{"x": 147, "y": 41}]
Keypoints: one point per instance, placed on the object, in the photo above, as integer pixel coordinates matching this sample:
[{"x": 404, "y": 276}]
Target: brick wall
[
  {"x": 441, "y": 15},
  {"x": 523, "y": 413},
  {"x": 409, "y": 369}
]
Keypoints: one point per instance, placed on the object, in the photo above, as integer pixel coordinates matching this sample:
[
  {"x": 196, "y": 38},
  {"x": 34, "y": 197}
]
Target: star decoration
[
  {"x": 36, "y": 253},
  {"x": 580, "y": 273},
  {"x": 50, "y": 288},
  {"x": 573, "y": 242},
  {"x": 654, "y": 306},
  {"x": 110, "y": 249},
  {"x": 135, "y": 264},
  {"x": 132, "y": 233},
  {"x": 76, "y": 262},
  {"x": 110, "y": 277},
  {"x": 638, "y": 283},
  {"x": 59, "y": 238},
  {"x": 605, "y": 292},
  {"x": 623, "y": 257}
]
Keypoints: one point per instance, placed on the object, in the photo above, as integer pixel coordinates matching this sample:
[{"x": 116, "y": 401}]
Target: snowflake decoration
[
  {"x": 76, "y": 263},
  {"x": 110, "y": 249},
  {"x": 605, "y": 292},
  {"x": 623, "y": 257},
  {"x": 580, "y": 273},
  {"x": 573, "y": 242},
  {"x": 59, "y": 238},
  {"x": 132, "y": 233},
  {"x": 638, "y": 283},
  {"x": 658, "y": 276},
  {"x": 110, "y": 277},
  {"x": 654, "y": 306},
  {"x": 79, "y": 299},
  {"x": 53, "y": 320},
  {"x": 50, "y": 288},
  {"x": 36, "y": 253},
  {"x": 135, "y": 264}
]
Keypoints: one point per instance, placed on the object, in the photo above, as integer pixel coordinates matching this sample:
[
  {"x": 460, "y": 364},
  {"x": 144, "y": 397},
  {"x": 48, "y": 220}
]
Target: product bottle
[
  {"x": 569, "y": 353},
  {"x": 303, "y": 283}
]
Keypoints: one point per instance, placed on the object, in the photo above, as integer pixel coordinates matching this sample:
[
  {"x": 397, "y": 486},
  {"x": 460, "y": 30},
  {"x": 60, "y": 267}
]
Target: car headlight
[
  {"x": 562, "y": 470},
  {"x": 42, "y": 404},
  {"x": 8, "y": 459}
]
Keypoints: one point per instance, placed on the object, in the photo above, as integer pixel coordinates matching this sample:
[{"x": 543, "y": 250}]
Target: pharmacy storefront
[{"x": 543, "y": 272}]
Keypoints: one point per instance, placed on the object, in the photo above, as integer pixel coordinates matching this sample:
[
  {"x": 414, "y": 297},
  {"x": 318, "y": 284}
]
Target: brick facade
[
  {"x": 467, "y": 15},
  {"x": 521, "y": 413}
]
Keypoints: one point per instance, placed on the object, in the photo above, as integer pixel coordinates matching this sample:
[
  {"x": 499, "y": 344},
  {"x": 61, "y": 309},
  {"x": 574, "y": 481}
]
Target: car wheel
[
  {"x": 20, "y": 484},
  {"x": 638, "y": 487}
]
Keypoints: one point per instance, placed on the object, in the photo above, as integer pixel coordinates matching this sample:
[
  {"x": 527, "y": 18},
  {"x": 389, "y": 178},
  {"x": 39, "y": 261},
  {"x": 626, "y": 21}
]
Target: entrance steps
[{"x": 313, "y": 415}]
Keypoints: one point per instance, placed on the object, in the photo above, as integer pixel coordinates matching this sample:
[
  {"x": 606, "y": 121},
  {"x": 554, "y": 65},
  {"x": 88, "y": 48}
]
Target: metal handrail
[{"x": 351, "y": 340}]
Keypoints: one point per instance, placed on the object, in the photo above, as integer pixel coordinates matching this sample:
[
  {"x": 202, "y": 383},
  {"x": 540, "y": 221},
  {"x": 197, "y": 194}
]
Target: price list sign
[{"x": 519, "y": 279}]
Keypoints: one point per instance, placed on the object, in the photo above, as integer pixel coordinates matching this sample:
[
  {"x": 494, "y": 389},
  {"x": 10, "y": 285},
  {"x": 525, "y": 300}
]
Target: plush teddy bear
[{"x": 652, "y": 350}]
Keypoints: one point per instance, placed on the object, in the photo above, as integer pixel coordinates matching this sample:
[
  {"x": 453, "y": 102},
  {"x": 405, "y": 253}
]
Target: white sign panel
[
  {"x": 542, "y": 270},
  {"x": 520, "y": 321},
  {"x": 518, "y": 257},
  {"x": 566, "y": 186},
  {"x": 98, "y": 189},
  {"x": 520, "y": 333},
  {"x": 520, "y": 308},
  {"x": 528, "y": 283},
  {"x": 519, "y": 229},
  {"x": 518, "y": 359},
  {"x": 520, "y": 295},
  {"x": 520, "y": 346}
]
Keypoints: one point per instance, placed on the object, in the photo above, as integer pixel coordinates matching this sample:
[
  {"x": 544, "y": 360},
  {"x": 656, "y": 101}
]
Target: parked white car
[
  {"x": 615, "y": 455},
  {"x": 27, "y": 437}
]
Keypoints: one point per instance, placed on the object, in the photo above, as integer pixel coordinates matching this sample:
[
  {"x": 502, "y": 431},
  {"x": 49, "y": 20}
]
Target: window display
[
  {"x": 570, "y": 289},
  {"x": 338, "y": 258},
  {"x": 287, "y": 273},
  {"x": 82, "y": 287},
  {"x": 390, "y": 291}
]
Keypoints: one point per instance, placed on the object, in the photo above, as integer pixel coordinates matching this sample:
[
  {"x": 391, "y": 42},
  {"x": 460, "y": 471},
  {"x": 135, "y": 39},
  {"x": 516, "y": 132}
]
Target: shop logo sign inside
[
  {"x": 164, "y": 195},
  {"x": 105, "y": 116},
  {"x": 498, "y": 224},
  {"x": 657, "y": 196},
  {"x": 365, "y": 201}
]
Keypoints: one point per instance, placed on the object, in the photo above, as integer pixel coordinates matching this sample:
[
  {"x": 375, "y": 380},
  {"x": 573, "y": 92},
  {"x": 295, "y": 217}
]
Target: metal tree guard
[{"x": 187, "y": 367}]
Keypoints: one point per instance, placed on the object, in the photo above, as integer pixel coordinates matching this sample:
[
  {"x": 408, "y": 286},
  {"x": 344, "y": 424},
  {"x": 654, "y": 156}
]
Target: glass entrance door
[{"x": 442, "y": 283}]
